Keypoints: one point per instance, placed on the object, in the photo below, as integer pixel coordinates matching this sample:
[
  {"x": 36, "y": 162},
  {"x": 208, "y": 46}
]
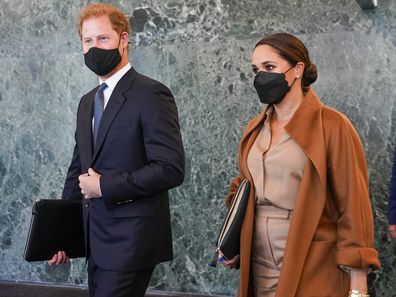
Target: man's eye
[
  {"x": 255, "y": 70},
  {"x": 103, "y": 38}
]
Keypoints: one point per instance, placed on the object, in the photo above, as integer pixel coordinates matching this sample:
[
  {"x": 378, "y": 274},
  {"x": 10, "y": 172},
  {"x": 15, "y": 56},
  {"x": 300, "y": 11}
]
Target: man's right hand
[
  {"x": 392, "y": 230},
  {"x": 59, "y": 258}
]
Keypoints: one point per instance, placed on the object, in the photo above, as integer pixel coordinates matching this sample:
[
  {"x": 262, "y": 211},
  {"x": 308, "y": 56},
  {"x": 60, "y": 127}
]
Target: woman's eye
[
  {"x": 269, "y": 68},
  {"x": 255, "y": 70}
]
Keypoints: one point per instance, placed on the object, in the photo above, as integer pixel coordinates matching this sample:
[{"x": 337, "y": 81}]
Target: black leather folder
[
  {"x": 228, "y": 242},
  {"x": 56, "y": 225}
]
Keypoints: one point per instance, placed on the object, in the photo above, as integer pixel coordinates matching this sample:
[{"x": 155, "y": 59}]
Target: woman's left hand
[
  {"x": 233, "y": 263},
  {"x": 358, "y": 280}
]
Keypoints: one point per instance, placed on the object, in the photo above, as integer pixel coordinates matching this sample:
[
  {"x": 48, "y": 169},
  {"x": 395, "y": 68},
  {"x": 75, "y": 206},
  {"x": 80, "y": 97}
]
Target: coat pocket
[
  {"x": 121, "y": 123},
  {"x": 136, "y": 208}
]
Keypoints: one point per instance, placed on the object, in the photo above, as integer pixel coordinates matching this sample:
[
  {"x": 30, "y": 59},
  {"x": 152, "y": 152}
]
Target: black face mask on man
[
  {"x": 102, "y": 61},
  {"x": 271, "y": 87}
]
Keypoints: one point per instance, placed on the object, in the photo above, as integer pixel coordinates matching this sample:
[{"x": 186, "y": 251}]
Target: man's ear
[{"x": 125, "y": 39}]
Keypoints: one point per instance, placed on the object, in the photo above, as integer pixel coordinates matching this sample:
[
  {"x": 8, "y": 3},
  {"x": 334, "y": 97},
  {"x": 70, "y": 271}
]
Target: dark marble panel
[{"x": 201, "y": 50}]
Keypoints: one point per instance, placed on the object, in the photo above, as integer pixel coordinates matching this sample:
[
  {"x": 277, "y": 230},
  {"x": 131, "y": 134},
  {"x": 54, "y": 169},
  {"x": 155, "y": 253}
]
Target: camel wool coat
[{"x": 332, "y": 223}]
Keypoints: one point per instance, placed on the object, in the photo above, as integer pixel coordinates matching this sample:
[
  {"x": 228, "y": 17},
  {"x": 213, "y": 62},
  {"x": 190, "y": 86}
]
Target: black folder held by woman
[
  {"x": 56, "y": 225},
  {"x": 228, "y": 242}
]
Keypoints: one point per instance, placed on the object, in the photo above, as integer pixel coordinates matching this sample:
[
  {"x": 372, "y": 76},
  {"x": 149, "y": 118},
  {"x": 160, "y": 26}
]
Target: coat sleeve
[
  {"x": 348, "y": 186},
  {"x": 392, "y": 196},
  {"x": 164, "y": 166},
  {"x": 233, "y": 188},
  {"x": 236, "y": 181}
]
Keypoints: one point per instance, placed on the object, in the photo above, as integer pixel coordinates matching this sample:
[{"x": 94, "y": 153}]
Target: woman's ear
[{"x": 299, "y": 69}]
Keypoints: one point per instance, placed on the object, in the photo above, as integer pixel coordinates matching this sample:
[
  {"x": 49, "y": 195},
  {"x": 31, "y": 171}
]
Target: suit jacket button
[{"x": 86, "y": 204}]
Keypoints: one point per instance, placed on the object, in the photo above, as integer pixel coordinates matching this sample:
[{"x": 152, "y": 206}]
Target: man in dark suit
[{"x": 128, "y": 154}]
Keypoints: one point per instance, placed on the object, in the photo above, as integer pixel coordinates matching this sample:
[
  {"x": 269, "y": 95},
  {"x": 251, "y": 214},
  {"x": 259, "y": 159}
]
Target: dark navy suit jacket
[
  {"x": 139, "y": 153},
  {"x": 392, "y": 197}
]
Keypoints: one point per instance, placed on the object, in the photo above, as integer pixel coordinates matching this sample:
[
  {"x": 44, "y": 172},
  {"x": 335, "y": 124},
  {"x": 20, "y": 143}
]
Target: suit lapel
[{"x": 114, "y": 105}]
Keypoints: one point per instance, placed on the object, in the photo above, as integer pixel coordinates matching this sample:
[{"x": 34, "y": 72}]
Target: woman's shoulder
[
  {"x": 335, "y": 118},
  {"x": 336, "y": 124}
]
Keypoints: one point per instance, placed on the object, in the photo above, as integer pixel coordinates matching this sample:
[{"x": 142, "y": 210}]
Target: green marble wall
[{"x": 201, "y": 49}]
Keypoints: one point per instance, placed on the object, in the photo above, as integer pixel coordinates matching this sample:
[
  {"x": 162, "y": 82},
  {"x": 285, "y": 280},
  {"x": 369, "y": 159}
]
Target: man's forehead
[{"x": 97, "y": 25}]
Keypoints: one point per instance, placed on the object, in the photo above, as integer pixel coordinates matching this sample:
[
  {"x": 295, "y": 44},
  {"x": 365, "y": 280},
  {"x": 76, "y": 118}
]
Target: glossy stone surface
[{"x": 201, "y": 49}]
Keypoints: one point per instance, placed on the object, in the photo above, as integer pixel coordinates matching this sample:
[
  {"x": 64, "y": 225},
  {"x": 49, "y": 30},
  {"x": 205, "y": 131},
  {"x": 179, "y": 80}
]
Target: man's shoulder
[
  {"x": 146, "y": 83},
  {"x": 90, "y": 92}
]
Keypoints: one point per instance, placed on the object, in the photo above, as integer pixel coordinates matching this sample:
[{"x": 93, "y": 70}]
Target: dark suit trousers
[{"x": 110, "y": 283}]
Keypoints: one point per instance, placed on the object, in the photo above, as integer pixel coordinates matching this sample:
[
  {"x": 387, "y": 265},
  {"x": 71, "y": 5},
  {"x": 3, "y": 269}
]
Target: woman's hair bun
[{"x": 310, "y": 75}]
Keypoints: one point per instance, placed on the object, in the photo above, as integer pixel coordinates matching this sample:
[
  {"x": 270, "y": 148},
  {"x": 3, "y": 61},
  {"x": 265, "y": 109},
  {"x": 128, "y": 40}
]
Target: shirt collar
[{"x": 113, "y": 80}]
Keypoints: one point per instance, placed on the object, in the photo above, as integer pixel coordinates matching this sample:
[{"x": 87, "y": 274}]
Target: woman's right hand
[
  {"x": 59, "y": 258},
  {"x": 233, "y": 263}
]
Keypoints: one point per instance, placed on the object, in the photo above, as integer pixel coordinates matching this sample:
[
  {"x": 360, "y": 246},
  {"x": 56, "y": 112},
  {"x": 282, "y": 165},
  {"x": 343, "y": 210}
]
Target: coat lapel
[
  {"x": 247, "y": 140},
  {"x": 306, "y": 129},
  {"x": 114, "y": 105}
]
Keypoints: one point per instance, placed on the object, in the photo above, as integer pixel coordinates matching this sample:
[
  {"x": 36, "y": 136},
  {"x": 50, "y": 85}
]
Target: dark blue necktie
[{"x": 98, "y": 109}]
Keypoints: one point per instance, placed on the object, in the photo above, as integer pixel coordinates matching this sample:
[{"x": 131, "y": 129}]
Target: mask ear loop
[
  {"x": 293, "y": 82},
  {"x": 119, "y": 41},
  {"x": 290, "y": 68},
  {"x": 294, "y": 78}
]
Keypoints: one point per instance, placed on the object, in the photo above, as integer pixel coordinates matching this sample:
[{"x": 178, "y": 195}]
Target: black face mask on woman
[
  {"x": 271, "y": 87},
  {"x": 102, "y": 61}
]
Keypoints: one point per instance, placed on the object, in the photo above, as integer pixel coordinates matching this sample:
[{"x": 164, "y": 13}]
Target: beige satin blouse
[{"x": 277, "y": 173}]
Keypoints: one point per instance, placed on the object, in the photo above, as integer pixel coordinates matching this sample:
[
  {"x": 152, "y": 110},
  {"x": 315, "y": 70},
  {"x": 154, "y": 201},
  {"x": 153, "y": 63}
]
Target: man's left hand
[{"x": 90, "y": 184}]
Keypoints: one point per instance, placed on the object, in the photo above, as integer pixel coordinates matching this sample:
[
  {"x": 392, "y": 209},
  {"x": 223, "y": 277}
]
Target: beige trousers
[{"x": 271, "y": 227}]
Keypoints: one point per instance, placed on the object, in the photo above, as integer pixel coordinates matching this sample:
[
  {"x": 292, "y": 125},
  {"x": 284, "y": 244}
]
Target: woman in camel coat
[{"x": 329, "y": 239}]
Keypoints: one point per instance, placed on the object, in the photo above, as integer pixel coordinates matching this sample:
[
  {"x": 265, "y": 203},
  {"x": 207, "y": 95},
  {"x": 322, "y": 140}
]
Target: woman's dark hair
[{"x": 292, "y": 50}]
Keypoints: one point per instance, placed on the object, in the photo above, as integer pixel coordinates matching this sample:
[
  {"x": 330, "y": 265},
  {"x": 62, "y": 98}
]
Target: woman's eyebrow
[{"x": 265, "y": 63}]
